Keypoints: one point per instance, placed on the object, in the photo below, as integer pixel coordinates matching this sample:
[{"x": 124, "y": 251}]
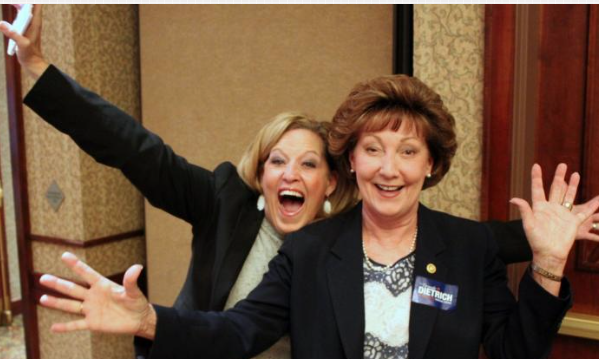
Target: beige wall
[
  {"x": 98, "y": 46},
  {"x": 212, "y": 75},
  {"x": 448, "y": 56}
]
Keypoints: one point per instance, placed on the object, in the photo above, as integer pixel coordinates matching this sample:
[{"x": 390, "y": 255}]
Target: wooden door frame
[
  {"x": 19, "y": 173},
  {"x": 561, "y": 55}
]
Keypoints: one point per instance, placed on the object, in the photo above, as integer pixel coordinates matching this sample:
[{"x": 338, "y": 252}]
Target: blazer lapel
[
  {"x": 346, "y": 284},
  {"x": 422, "y": 318},
  {"x": 234, "y": 253}
]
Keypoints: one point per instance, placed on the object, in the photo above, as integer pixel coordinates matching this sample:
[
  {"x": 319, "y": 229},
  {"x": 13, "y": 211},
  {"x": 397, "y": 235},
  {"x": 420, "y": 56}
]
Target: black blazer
[
  {"x": 314, "y": 290},
  {"x": 218, "y": 205}
]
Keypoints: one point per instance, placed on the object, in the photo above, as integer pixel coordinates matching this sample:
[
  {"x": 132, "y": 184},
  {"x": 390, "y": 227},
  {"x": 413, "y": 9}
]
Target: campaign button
[{"x": 431, "y": 268}]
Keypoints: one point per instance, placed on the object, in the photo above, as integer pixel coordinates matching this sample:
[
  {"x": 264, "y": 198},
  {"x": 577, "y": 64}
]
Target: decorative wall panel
[{"x": 448, "y": 56}]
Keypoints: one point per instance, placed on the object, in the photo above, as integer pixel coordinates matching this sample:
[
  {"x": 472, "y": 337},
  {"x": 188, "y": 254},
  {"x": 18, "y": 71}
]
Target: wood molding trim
[
  {"x": 588, "y": 252},
  {"x": 500, "y": 27},
  {"x": 18, "y": 161},
  {"x": 562, "y": 62},
  {"x": 90, "y": 243}
]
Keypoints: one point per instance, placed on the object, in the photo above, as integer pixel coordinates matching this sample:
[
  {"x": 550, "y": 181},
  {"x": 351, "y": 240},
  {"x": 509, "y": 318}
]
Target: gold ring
[
  {"x": 595, "y": 226},
  {"x": 568, "y": 205},
  {"x": 80, "y": 307}
]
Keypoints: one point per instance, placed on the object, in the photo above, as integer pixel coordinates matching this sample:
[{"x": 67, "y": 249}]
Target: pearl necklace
[{"x": 385, "y": 268}]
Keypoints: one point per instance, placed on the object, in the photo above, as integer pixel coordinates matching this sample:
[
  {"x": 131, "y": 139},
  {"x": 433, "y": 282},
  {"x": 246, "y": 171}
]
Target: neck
[{"x": 389, "y": 231}]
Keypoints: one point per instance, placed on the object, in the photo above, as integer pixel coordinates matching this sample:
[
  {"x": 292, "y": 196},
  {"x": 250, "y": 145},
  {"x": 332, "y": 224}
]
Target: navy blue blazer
[{"x": 315, "y": 290}]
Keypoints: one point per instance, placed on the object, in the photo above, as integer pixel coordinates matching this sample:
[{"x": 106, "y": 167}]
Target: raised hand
[
  {"x": 106, "y": 306},
  {"x": 29, "y": 50},
  {"x": 550, "y": 225}
]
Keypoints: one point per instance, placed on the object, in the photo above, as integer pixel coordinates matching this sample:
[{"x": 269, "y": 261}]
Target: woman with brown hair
[
  {"x": 389, "y": 278},
  {"x": 325, "y": 285}
]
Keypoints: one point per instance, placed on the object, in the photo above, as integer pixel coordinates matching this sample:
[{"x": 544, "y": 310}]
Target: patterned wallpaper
[
  {"x": 98, "y": 201},
  {"x": 98, "y": 46},
  {"x": 9, "y": 208},
  {"x": 448, "y": 56}
]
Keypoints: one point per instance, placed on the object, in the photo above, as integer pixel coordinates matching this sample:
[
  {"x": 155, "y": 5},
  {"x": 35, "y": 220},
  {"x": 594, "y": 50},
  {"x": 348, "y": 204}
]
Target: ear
[
  {"x": 431, "y": 164},
  {"x": 332, "y": 183},
  {"x": 352, "y": 159}
]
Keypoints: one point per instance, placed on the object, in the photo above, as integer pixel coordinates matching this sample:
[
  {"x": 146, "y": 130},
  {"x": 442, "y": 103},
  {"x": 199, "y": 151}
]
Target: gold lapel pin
[{"x": 431, "y": 268}]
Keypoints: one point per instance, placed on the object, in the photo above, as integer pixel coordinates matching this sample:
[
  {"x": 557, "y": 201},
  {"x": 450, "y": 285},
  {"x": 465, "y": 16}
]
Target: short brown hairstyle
[
  {"x": 385, "y": 102},
  {"x": 252, "y": 161}
]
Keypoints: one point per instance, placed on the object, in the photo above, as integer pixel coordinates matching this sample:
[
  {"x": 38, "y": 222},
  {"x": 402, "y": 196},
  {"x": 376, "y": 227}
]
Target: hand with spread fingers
[
  {"x": 551, "y": 225},
  {"x": 106, "y": 306},
  {"x": 29, "y": 49}
]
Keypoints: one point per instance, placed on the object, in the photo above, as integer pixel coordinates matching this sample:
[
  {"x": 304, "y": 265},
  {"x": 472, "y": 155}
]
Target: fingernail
[
  {"x": 68, "y": 255},
  {"x": 46, "y": 277},
  {"x": 43, "y": 298},
  {"x": 118, "y": 289}
]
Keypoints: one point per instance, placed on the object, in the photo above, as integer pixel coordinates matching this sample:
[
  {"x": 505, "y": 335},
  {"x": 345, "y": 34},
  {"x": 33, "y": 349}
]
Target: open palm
[{"x": 105, "y": 305}]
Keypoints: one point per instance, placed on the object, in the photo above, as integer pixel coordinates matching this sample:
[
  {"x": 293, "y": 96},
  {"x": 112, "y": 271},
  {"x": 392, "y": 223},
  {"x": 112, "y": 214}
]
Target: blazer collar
[{"x": 346, "y": 282}]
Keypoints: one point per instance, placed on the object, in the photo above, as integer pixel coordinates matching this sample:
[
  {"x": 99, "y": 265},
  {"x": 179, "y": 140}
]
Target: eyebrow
[
  {"x": 402, "y": 140},
  {"x": 303, "y": 154}
]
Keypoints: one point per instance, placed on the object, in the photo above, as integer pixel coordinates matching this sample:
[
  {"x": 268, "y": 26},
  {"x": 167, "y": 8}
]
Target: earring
[
  {"x": 326, "y": 206},
  {"x": 260, "y": 204},
  {"x": 352, "y": 170},
  {"x": 428, "y": 175}
]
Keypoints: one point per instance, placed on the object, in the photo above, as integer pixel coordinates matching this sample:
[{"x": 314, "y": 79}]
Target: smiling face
[
  {"x": 390, "y": 168},
  {"x": 295, "y": 180}
]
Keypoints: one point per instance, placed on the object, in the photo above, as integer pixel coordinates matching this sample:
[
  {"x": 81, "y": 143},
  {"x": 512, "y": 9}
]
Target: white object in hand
[{"x": 20, "y": 24}]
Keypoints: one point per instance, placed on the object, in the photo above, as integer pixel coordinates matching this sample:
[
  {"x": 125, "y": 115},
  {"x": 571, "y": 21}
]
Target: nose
[
  {"x": 389, "y": 166},
  {"x": 290, "y": 174}
]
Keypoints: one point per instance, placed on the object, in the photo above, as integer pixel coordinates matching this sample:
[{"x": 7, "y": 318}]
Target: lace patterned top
[{"x": 387, "y": 300}]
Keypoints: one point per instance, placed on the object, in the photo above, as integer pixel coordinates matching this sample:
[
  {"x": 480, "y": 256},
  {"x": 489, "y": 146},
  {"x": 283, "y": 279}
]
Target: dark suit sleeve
[
  {"x": 512, "y": 242},
  {"x": 115, "y": 139},
  {"x": 524, "y": 329},
  {"x": 243, "y": 331}
]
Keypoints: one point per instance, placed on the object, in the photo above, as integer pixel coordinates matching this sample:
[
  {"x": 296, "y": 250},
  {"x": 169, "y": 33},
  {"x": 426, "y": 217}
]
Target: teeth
[
  {"x": 388, "y": 188},
  {"x": 291, "y": 193}
]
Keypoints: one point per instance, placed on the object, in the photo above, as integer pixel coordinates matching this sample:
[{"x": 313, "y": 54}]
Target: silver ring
[
  {"x": 595, "y": 226},
  {"x": 568, "y": 205}
]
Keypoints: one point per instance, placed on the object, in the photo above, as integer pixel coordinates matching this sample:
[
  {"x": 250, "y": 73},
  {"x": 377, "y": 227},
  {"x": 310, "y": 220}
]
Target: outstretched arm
[
  {"x": 111, "y": 136},
  {"x": 249, "y": 328}
]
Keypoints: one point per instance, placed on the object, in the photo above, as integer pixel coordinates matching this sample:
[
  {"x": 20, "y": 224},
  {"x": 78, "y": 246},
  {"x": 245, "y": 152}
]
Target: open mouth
[{"x": 291, "y": 201}]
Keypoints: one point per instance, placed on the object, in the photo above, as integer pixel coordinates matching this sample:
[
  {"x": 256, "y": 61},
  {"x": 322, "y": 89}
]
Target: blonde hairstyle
[
  {"x": 251, "y": 165},
  {"x": 385, "y": 102}
]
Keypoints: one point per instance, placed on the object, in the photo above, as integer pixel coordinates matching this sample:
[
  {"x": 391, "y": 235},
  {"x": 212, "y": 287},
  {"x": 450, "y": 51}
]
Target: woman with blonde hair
[
  {"x": 389, "y": 278},
  {"x": 285, "y": 180}
]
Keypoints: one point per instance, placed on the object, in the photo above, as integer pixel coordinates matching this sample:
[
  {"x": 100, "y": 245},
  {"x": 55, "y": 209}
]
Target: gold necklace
[{"x": 385, "y": 268}]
